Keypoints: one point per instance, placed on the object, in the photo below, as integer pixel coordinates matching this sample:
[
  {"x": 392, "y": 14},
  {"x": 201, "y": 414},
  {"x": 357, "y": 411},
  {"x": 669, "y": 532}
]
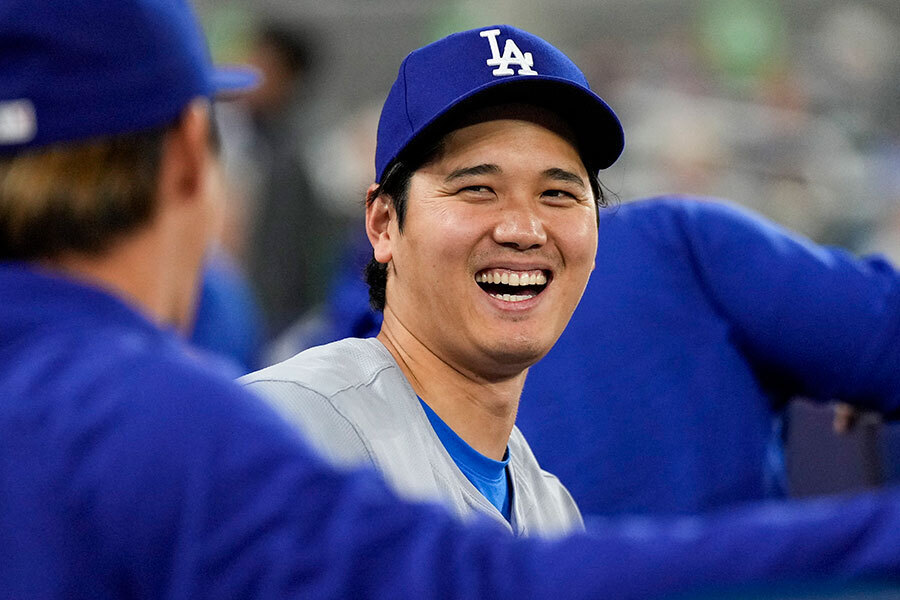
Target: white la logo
[{"x": 511, "y": 55}]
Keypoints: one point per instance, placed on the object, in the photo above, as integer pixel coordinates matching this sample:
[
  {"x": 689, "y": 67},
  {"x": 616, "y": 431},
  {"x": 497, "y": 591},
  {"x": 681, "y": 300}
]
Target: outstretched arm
[
  {"x": 231, "y": 503},
  {"x": 818, "y": 319}
]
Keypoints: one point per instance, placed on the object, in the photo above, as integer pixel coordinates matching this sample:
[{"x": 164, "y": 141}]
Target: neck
[
  {"x": 481, "y": 411},
  {"x": 134, "y": 269}
]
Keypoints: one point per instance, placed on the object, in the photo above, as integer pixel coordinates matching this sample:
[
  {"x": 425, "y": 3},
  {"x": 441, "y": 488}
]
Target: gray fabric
[{"x": 354, "y": 404}]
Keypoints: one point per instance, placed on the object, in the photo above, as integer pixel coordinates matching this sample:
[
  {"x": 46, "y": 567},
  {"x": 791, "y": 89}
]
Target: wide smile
[{"x": 510, "y": 285}]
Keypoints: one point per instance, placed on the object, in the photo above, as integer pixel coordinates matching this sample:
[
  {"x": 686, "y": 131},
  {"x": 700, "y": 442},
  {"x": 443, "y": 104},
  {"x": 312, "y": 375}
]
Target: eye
[
  {"x": 560, "y": 197},
  {"x": 476, "y": 192},
  {"x": 478, "y": 189}
]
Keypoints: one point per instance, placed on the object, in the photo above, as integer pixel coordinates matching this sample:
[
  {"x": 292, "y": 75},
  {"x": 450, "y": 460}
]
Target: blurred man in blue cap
[{"x": 129, "y": 471}]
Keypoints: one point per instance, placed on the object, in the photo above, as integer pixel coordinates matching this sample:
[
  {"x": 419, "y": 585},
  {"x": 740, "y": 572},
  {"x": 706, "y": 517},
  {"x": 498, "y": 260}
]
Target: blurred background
[{"x": 789, "y": 108}]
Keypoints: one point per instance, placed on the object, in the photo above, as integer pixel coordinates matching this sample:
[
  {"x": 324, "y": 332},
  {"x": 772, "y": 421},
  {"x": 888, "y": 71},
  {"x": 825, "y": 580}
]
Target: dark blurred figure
[{"x": 288, "y": 246}]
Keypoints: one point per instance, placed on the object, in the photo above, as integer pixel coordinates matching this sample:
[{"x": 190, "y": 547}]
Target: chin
[{"x": 516, "y": 356}]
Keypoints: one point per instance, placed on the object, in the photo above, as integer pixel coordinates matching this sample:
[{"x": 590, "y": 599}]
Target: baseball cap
[
  {"x": 468, "y": 68},
  {"x": 77, "y": 69}
]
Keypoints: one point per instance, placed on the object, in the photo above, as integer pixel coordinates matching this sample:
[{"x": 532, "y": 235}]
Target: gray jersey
[{"x": 354, "y": 404}]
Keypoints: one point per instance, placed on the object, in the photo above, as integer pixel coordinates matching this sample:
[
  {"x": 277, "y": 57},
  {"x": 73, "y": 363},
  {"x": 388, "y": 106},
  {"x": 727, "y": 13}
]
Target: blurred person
[
  {"x": 290, "y": 236},
  {"x": 129, "y": 470},
  {"x": 351, "y": 144},
  {"x": 708, "y": 319}
]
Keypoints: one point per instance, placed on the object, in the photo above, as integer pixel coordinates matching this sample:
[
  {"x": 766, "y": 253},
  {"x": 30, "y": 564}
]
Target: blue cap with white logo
[
  {"x": 461, "y": 69},
  {"x": 77, "y": 69}
]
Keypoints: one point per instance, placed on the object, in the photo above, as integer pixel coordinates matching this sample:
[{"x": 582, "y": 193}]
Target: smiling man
[{"x": 483, "y": 225}]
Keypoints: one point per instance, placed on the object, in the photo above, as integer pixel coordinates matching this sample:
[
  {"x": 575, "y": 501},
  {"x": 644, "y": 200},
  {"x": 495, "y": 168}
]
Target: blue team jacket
[{"x": 129, "y": 471}]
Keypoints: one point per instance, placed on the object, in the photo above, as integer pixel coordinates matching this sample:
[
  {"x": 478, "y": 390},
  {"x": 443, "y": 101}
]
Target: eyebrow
[
  {"x": 563, "y": 175},
  {"x": 483, "y": 169}
]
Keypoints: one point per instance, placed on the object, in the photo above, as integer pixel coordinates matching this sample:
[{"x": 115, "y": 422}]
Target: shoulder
[
  {"x": 154, "y": 385},
  {"x": 678, "y": 214},
  {"x": 327, "y": 370},
  {"x": 134, "y": 410},
  {"x": 341, "y": 395},
  {"x": 700, "y": 232}
]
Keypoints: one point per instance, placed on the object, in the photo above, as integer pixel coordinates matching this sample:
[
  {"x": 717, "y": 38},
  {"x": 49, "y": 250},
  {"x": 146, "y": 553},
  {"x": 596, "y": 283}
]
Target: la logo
[{"x": 511, "y": 56}]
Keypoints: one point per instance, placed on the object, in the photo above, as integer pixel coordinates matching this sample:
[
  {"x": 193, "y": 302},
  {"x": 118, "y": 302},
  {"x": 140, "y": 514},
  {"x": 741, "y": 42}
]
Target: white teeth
[
  {"x": 515, "y": 278},
  {"x": 511, "y": 297}
]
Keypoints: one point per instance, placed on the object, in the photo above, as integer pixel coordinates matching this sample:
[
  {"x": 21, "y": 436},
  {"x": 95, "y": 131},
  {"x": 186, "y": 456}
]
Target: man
[
  {"x": 484, "y": 229},
  {"x": 129, "y": 471}
]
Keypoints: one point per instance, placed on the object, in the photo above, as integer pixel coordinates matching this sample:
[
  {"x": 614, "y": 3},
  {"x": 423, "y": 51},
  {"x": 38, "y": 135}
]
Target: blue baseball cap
[
  {"x": 77, "y": 69},
  {"x": 501, "y": 62}
]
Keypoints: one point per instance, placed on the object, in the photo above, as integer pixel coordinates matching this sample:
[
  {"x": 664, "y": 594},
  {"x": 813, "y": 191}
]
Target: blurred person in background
[
  {"x": 282, "y": 234},
  {"x": 701, "y": 321},
  {"x": 227, "y": 325}
]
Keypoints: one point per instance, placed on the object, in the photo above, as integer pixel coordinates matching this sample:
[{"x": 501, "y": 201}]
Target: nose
[{"x": 520, "y": 228}]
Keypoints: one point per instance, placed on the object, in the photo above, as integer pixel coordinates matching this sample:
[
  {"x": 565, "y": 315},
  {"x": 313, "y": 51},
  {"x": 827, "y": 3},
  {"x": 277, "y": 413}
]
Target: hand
[{"x": 847, "y": 418}]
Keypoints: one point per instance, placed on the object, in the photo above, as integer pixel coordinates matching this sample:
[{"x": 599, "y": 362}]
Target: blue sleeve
[
  {"x": 200, "y": 491},
  {"x": 817, "y": 320}
]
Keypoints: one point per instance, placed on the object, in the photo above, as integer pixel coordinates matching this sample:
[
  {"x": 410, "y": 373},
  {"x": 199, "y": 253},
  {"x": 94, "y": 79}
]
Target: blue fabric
[
  {"x": 228, "y": 321},
  {"x": 128, "y": 471},
  {"x": 441, "y": 76},
  {"x": 699, "y": 322},
  {"x": 486, "y": 474}
]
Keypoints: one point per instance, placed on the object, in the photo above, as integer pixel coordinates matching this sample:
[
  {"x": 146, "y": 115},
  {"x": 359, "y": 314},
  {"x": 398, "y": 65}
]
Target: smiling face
[{"x": 497, "y": 245}]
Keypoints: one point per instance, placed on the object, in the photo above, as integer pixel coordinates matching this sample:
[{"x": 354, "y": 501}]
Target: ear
[
  {"x": 187, "y": 157},
  {"x": 379, "y": 216}
]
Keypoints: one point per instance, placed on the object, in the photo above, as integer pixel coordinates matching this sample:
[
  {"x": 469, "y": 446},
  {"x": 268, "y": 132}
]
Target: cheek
[
  {"x": 578, "y": 243},
  {"x": 444, "y": 238}
]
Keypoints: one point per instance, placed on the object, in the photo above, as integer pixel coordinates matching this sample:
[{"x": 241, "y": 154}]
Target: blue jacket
[
  {"x": 699, "y": 322},
  {"x": 129, "y": 471}
]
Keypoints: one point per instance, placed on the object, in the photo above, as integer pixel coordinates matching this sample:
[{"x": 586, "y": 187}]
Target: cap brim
[
  {"x": 229, "y": 81},
  {"x": 594, "y": 123}
]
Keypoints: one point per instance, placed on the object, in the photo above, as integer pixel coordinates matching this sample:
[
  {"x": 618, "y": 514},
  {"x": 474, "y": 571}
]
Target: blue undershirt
[{"x": 486, "y": 474}]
